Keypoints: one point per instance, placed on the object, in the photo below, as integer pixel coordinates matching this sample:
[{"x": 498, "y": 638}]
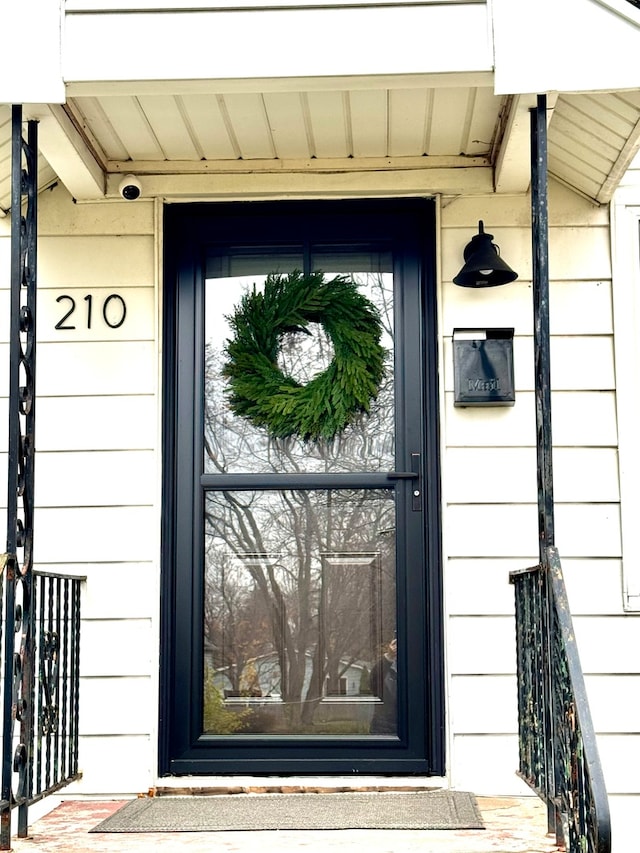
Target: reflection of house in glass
[
  {"x": 262, "y": 709},
  {"x": 260, "y": 679},
  {"x": 346, "y": 636},
  {"x": 288, "y": 672}
]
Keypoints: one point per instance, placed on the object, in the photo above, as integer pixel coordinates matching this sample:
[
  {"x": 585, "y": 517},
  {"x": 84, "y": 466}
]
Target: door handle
[{"x": 413, "y": 474}]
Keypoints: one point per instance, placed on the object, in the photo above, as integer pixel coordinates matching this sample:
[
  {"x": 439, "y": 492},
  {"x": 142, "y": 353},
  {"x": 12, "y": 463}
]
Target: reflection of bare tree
[
  {"x": 236, "y": 624},
  {"x": 269, "y": 589}
]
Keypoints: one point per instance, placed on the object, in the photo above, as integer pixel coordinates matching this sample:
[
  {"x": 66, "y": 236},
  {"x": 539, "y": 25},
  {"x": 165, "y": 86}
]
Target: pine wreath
[{"x": 261, "y": 392}]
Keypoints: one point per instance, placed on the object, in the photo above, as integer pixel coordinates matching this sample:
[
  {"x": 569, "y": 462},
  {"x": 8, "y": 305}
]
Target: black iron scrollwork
[
  {"x": 49, "y": 683},
  {"x": 18, "y": 575}
]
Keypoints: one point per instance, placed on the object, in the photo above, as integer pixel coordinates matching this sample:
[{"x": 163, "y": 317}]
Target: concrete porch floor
[{"x": 513, "y": 825}]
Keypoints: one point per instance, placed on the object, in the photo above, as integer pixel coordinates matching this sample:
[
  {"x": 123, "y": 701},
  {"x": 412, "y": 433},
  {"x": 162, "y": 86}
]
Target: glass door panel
[
  {"x": 299, "y": 604},
  {"x": 234, "y": 445},
  {"x": 299, "y": 596}
]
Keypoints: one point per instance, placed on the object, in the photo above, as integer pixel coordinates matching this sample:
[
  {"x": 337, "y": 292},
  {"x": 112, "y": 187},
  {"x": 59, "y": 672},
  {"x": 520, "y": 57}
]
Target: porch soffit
[
  {"x": 592, "y": 140},
  {"x": 442, "y": 129}
]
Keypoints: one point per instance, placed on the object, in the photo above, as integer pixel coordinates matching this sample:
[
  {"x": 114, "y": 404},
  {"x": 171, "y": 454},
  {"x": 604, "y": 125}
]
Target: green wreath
[{"x": 259, "y": 390}]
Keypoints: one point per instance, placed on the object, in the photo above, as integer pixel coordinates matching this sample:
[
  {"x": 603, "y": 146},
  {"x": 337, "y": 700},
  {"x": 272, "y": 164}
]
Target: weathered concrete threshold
[
  {"x": 293, "y": 785},
  {"x": 167, "y": 791}
]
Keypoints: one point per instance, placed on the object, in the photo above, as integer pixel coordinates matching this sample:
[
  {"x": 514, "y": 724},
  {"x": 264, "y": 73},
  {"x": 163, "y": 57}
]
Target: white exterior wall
[
  {"x": 98, "y": 483},
  {"x": 98, "y": 467},
  {"x": 490, "y": 488},
  {"x": 365, "y": 38}
]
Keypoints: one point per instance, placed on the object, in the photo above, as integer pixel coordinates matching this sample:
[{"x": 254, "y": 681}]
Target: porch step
[{"x": 513, "y": 825}]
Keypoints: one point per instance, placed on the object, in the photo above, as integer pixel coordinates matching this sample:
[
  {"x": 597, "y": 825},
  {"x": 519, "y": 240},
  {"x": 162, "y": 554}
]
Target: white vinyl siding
[
  {"x": 98, "y": 468},
  {"x": 490, "y": 487}
]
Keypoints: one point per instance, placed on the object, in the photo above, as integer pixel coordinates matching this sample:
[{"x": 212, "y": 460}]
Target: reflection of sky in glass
[{"x": 222, "y": 297}]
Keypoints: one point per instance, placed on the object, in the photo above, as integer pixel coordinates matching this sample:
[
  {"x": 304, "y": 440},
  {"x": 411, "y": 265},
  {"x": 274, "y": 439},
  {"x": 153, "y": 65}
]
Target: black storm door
[{"x": 301, "y": 577}]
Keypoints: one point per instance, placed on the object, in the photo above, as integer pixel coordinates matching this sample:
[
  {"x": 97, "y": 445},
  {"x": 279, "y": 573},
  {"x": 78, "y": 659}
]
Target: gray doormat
[{"x": 378, "y": 810}]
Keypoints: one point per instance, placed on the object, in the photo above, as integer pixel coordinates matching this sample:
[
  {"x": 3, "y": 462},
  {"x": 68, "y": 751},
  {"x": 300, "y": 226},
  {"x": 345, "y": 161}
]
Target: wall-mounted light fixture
[{"x": 483, "y": 265}]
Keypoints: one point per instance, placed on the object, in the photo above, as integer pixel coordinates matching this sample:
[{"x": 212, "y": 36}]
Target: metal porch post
[
  {"x": 540, "y": 255},
  {"x": 542, "y": 361},
  {"x": 19, "y": 649}
]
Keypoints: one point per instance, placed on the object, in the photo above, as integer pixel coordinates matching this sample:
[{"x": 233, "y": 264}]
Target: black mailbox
[{"x": 483, "y": 367}]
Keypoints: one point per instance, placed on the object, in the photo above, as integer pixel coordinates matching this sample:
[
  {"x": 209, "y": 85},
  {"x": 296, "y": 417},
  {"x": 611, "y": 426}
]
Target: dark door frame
[{"x": 407, "y": 226}]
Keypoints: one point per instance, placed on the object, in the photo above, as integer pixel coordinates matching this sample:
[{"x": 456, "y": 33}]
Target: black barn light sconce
[{"x": 483, "y": 266}]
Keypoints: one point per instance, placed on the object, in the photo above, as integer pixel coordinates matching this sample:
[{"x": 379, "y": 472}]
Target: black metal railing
[
  {"x": 558, "y": 751},
  {"x": 46, "y": 759},
  {"x": 40, "y": 623},
  {"x": 56, "y": 700}
]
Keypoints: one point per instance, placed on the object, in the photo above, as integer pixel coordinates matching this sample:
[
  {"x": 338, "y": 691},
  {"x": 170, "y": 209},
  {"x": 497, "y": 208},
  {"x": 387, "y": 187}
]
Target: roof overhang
[{"x": 193, "y": 122}]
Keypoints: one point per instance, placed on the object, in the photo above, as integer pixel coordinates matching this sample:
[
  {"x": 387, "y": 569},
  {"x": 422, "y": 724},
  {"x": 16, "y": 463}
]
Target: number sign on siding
[{"x": 92, "y": 314}]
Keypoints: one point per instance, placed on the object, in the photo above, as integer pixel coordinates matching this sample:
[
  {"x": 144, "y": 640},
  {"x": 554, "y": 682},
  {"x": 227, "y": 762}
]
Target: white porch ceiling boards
[
  {"x": 592, "y": 140},
  {"x": 412, "y": 126},
  {"x": 209, "y": 92},
  {"x": 300, "y": 125}
]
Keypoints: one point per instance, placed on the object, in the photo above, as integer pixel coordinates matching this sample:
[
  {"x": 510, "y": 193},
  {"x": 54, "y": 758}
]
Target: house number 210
[{"x": 114, "y": 311}]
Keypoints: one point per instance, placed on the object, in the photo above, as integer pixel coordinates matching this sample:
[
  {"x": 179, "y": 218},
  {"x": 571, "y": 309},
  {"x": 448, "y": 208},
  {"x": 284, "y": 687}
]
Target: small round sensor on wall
[{"x": 130, "y": 188}]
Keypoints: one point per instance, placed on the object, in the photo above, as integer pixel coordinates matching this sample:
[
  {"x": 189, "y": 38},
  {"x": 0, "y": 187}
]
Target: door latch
[{"x": 416, "y": 486}]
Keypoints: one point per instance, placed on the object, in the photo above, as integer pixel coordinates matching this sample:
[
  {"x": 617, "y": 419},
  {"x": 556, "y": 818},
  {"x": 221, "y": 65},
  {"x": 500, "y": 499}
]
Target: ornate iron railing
[
  {"x": 39, "y": 635},
  {"x": 558, "y": 751},
  {"x": 57, "y": 693},
  {"x": 45, "y": 755}
]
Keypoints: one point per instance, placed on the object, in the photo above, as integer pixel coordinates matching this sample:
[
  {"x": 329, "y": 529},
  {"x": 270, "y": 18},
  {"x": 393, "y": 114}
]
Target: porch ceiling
[{"x": 327, "y": 126}]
